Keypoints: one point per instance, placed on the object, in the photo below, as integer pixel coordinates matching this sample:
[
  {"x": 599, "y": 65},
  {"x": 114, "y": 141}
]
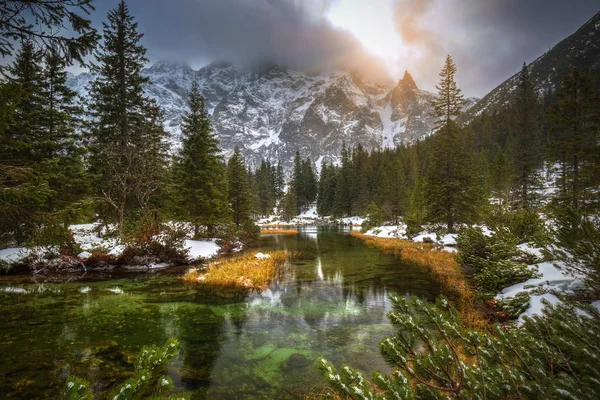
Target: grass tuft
[
  {"x": 248, "y": 270},
  {"x": 275, "y": 231}
]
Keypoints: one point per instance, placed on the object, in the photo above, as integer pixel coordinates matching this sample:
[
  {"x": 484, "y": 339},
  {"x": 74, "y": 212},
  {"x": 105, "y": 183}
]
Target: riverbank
[
  {"x": 443, "y": 268},
  {"x": 94, "y": 247}
]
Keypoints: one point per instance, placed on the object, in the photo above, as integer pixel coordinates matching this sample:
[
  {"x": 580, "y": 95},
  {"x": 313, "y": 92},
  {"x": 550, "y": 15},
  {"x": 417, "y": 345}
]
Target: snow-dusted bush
[
  {"x": 434, "y": 356},
  {"x": 494, "y": 259}
]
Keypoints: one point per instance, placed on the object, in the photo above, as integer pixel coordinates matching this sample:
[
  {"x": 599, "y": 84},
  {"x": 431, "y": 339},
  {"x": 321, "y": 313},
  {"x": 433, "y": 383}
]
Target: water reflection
[{"x": 234, "y": 344}]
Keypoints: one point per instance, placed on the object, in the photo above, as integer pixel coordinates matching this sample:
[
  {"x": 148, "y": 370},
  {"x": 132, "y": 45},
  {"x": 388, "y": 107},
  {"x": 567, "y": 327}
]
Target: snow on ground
[
  {"x": 310, "y": 213},
  {"x": 392, "y": 231},
  {"x": 89, "y": 237},
  {"x": 310, "y": 217},
  {"x": 552, "y": 277},
  {"x": 354, "y": 221},
  {"x": 201, "y": 248},
  {"x": 13, "y": 254}
]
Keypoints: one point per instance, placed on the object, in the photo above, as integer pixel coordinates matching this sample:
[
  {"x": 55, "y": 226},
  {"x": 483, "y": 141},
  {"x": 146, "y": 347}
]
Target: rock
[{"x": 297, "y": 360}]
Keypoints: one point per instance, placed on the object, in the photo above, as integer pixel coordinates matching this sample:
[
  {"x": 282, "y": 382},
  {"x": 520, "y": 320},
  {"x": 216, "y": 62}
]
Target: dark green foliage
[
  {"x": 452, "y": 183},
  {"x": 327, "y": 189},
  {"x": 514, "y": 306},
  {"x": 525, "y": 142},
  {"x": 574, "y": 135},
  {"x": 434, "y": 356},
  {"x": 525, "y": 225},
  {"x": 146, "y": 381},
  {"x": 304, "y": 182},
  {"x": 374, "y": 217},
  {"x": 494, "y": 259},
  {"x": 452, "y": 186},
  {"x": 289, "y": 209},
  {"x": 269, "y": 182},
  {"x": 238, "y": 191},
  {"x": 42, "y": 20},
  {"x": 577, "y": 243},
  {"x": 41, "y": 167},
  {"x": 126, "y": 139},
  {"x": 199, "y": 175}
]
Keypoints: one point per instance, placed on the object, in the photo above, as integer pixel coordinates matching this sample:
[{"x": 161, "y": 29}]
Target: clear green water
[{"x": 331, "y": 302}]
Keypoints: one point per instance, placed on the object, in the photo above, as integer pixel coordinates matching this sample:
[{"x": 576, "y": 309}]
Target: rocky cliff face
[{"x": 273, "y": 111}]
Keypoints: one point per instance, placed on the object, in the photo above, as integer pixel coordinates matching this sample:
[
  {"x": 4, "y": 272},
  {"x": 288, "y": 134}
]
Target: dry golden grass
[
  {"x": 275, "y": 231},
  {"x": 244, "y": 270},
  {"x": 442, "y": 267}
]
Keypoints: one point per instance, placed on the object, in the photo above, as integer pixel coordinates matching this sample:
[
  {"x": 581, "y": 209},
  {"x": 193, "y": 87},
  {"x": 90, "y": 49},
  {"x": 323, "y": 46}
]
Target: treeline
[
  {"x": 466, "y": 173},
  {"x": 106, "y": 158}
]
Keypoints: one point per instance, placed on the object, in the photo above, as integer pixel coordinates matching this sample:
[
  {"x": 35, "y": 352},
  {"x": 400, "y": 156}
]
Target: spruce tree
[
  {"x": 449, "y": 102},
  {"x": 573, "y": 131},
  {"x": 238, "y": 190},
  {"x": 343, "y": 190},
  {"x": 200, "y": 188},
  {"x": 525, "y": 142},
  {"x": 62, "y": 165},
  {"x": 126, "y": 139},
  {"x": 23, "y": 193},
  {"x": 451, "y": 185}
]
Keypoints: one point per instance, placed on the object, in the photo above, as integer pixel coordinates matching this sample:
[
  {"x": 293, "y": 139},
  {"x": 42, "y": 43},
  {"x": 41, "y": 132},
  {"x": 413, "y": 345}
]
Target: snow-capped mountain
[{"x": 273, "y": 111}]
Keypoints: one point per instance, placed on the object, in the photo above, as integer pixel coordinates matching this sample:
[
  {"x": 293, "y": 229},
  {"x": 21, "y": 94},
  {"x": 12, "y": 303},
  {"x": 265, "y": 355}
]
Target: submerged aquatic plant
[
  {"x": 146, "y": 381},
  {"x": 248, "y": 270}
]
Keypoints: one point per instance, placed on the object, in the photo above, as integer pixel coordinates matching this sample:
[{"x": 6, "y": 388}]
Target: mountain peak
[{"x": 408, "y": 82}]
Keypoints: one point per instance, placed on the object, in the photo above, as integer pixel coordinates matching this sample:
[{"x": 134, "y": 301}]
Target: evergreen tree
[
  {"x": 238, "y": 190},
  {"x": 451, "y": 184},
  {"x": 126, "y": 138},
  {"x": 434, "y": 356},
  {"x": 326, "y": 190},
  {"x": 525, "y": 142},
  {"x": 574, "y": 132},
  {"x": 50, "y": 18},
  {"x": 23, "y": 192},
  {"x": 343, "y": 190},
  {"x": 449, "y": 102},
  {"x": 62, "y": 164},
  {"x": 198, "y": 171},
  {"x": 289, "y": 209}
]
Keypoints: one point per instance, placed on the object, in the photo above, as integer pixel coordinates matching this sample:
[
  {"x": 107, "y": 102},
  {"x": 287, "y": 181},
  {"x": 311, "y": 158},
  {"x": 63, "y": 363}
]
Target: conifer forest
[{"x": 240, "y": 199}]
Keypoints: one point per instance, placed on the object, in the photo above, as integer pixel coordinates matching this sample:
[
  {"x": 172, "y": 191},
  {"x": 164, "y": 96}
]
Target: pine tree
[
  {"x": 451, "y": 184},
  {"x": 326, "y": 190},
  {"x": 434, "y": 356},
  {"x": 574, "y": 130},
  {"x": 525, "y": 142},
  {"x": 449, "y": 102},
  {"x": 126, "y": 139},
  {"x": 24, "y": 192},
  {"x": 238, "y": 190},
  {"x": 343, "y": 190},
  {"x": 200, "y": 183},
  {"x": 63, "y": 165}
]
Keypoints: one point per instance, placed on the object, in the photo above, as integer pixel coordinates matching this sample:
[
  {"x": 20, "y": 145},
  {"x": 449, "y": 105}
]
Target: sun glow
[{"x": 372, "y": 23}]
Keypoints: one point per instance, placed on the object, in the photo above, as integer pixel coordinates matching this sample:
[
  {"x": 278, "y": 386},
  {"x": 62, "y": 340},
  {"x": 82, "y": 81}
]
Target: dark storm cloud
[
  {"x": 249, "y": 32},
  {"x": 489, "y": 39}
]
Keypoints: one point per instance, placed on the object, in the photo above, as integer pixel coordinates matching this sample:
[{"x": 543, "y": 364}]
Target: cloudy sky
[{"x": 489, "y": 39}]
